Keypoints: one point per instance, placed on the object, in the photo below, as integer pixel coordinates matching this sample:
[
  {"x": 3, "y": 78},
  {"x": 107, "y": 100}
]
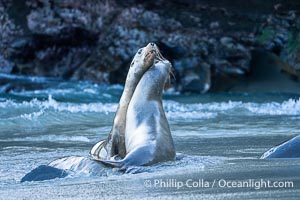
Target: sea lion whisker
[
  {"x": 160, "y": 57},
  {"x": 172, "y": 72}
]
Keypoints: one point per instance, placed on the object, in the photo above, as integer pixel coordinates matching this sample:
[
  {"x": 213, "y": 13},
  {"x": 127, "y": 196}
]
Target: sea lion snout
[
  {"x": 151, "y": 52},
  {"x": 152, "y": 44}
]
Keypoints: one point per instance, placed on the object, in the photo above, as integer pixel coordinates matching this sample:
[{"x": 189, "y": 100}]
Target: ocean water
[{"x": 219, "y": 139}]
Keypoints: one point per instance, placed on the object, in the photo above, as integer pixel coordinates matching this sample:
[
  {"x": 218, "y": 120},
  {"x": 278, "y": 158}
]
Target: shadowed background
[{"x": 227, "y": 45}]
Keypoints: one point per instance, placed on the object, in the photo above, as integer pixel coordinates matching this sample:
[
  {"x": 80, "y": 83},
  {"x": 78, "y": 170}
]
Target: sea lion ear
[
  {"x": 140, "y": 51},
  {"x": 132, "y": 63}
]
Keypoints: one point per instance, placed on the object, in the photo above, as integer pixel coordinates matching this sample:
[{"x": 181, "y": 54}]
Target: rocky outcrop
[
  {"x": 207, "y": 42},
  {"x": 280, "y": 34}
]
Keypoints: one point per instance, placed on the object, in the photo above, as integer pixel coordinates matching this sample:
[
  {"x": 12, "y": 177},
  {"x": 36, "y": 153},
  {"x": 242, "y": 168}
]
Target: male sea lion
[
  {"x": 115, "y": 143},
  {"x": 148, "y": 138}
]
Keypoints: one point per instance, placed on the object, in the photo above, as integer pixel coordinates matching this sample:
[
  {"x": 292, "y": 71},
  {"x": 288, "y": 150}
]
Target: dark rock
[
  {"x": 96, "y": 40},
  {"x": 290, "y": 54},
  {"x": 44, "y": 172},
  {"x": 5, "y": 65},
  {"x": 198, "y": 81}
]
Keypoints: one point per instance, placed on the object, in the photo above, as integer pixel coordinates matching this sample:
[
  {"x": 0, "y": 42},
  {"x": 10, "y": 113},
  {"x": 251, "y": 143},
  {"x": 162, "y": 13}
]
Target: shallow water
[{"x": 219, "y": 138}]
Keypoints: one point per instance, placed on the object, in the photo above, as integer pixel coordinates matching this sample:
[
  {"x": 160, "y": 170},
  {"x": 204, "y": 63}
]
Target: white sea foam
[
  {"x": 33, "y": 115},
  {"x": 79, "y": 107},
  {"x": 190, "y": 115},
  {"x": 179, "y": 107},
  {"x": 33, "y": 109},
  {"x": 90, "y": 90},
  {"x": 289, "y": 107},
  {"x": 50, "y": 138},
  {"x": 52, "y": 104},
  {"x": 81, "y": 166},
  {"x": 183, "y": 163}
]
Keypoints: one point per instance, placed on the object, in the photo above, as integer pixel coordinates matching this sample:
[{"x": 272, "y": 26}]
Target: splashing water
[{"x": 220, "y": 135}]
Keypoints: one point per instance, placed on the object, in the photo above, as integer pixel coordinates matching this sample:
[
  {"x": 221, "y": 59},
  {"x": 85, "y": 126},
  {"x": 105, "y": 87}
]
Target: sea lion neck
[{"x": 142, "y": 61}]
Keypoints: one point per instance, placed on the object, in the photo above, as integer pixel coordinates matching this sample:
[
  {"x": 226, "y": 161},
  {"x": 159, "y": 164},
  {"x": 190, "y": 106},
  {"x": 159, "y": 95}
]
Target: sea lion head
[{"x": 144, "y": 57}]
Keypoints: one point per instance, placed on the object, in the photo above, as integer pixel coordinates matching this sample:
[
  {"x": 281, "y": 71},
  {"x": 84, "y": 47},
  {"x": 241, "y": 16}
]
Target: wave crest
[{"x": 174, "y": 110}]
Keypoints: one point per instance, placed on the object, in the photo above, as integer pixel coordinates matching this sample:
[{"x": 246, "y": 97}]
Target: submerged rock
[
  {"x": 44, "y": 172},
  {"x": 79, "y": 165},
  {"x": 71, "y": 165}
]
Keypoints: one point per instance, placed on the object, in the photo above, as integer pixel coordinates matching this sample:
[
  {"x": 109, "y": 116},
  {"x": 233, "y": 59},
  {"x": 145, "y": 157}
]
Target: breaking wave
[
  {"x": 49, "y": 138},
  {"x": 174, "y": 110}
]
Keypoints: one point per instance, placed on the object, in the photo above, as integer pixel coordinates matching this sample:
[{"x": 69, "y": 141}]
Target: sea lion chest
[{"x": 145, "y": 111}]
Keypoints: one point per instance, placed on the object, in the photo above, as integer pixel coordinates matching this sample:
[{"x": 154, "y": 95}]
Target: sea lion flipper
[{"x": 98, "y": 151}]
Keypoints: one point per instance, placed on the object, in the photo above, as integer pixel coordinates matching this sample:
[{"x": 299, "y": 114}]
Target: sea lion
[
  {"x": 115, "y": 143},
  {"x": 148, "y": 139},
  {"x": 288, "y": 149}
]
